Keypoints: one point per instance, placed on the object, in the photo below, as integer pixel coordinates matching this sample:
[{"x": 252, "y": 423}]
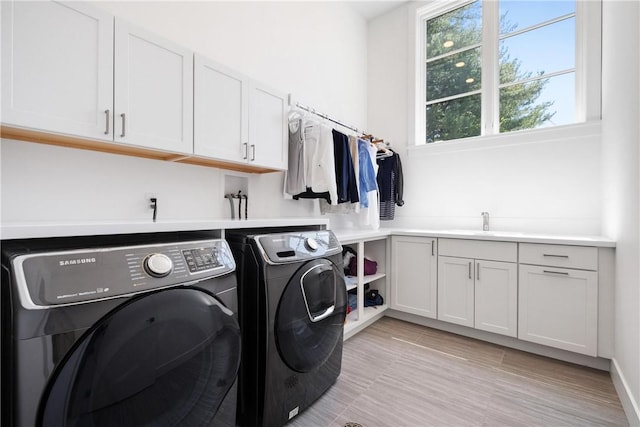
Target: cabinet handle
[
  {"x": 433, "y": 253},
  {"x": 564, "y": 273},
  {"x": 123, "y": 125},
  {"x": 556, "y": 256},
  {"x": 478, "y": 271},
  {"x": 106, "y": 131},
  {"x": 470, "y": 269},
  {"x": 246, "y": 151},
  {"x": 253, "y": 152}
]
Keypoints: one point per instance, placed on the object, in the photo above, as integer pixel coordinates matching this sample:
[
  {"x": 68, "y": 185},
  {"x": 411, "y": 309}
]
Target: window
[
  {"x": 453, "y": 73},
  {"x": 491, "y": 67}
]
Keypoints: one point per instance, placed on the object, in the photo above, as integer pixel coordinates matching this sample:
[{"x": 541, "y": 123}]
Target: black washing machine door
[
  {"x": 162, "y": 359},
  {"x": 310, "y": 315}
]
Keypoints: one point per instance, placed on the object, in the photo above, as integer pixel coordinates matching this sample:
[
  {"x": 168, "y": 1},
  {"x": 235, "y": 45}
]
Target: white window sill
[{"x": 555, "y": 133}]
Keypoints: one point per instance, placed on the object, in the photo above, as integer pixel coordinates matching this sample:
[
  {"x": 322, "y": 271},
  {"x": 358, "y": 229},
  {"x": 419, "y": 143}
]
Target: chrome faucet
[{"x": 485, "y": 221}]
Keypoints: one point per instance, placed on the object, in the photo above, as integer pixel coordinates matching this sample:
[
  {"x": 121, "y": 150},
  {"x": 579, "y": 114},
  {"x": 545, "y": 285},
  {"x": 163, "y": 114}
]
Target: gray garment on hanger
[{"x": 295, "y": 172}]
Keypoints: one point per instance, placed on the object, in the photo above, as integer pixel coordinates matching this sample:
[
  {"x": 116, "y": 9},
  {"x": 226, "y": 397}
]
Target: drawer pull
[
  {"x": 470, "y": 270},
  {"x": 564, "y": 273},
  {"x": 106, "y": 131},
  {"x": 478, "y": 271},
  {"x": 556, "y": 256},
  {"x": 432, "y": 249},
  {"x": 122, "y": 135}
]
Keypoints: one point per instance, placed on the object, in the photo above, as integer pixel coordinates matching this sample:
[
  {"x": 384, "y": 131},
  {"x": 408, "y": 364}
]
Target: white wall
[
  {"x": 621, "y": 207},
  {"x": 314, "y": 50},
  {"x": 544, "y": 183}
]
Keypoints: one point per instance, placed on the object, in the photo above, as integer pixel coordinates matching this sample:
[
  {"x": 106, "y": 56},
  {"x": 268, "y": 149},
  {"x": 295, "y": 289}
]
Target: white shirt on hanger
[{"x": 320, "y": 173}]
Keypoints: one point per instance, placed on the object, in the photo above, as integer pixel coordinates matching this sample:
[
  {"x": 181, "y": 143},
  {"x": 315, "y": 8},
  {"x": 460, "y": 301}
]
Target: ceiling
[{"x": 372, "y": 9}]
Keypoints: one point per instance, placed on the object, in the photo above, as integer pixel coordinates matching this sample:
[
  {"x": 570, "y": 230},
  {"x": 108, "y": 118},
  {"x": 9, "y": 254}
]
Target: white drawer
[
  {"x": 582, "y": 257},
  {"x": 479, "y": 249}
]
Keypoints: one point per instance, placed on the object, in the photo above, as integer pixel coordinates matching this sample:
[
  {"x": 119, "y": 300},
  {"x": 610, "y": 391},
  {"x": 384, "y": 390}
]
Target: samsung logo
[{"x": 77, "y": 261}]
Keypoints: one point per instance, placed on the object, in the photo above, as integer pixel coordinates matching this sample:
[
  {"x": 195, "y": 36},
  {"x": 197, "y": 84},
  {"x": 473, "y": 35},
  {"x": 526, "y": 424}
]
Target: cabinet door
[
  {"x": 57, "y": 68},
  {"x": 221, "y": 112},
  {"x": 267, "y": 127},
  {"x": 414, "y": 275},
  {"x": 558, "y": 307},
  {"x": 153, "y": 91},
  {"x": 456, "y": 290},
  {"x": 496, "y": 297}
]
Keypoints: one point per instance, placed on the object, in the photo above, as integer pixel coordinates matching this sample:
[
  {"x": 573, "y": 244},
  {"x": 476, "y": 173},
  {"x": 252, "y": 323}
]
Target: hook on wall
[{"x": 154, "y": 206}]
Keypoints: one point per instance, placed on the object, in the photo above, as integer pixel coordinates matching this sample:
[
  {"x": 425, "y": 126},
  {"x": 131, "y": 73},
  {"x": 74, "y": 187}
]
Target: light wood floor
[{"x": 397, "y": 374}]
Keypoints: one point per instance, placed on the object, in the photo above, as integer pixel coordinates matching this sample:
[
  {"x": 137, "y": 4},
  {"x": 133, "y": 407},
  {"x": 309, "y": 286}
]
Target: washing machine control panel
[
  {"x": 297, "y": 246},
  {"x": 202, "y": 259},
  {"x": 72, "y": 277}
]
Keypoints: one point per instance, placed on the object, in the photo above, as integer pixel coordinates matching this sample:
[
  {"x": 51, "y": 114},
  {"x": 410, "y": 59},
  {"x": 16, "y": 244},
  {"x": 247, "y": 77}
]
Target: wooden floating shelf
[{"x": 39, "y": 137}]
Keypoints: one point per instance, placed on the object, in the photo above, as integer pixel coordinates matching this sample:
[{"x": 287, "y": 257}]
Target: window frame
[{"x": 587, "y": 71}]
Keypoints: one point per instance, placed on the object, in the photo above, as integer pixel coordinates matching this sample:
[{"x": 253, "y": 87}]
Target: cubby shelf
[{"x": 375, "y": 248}]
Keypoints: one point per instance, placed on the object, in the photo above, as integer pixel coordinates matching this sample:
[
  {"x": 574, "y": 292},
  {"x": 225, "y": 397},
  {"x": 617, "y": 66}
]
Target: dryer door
[
  {"x": 167, "y": 358},
  {"x": 310, "y": 316}
]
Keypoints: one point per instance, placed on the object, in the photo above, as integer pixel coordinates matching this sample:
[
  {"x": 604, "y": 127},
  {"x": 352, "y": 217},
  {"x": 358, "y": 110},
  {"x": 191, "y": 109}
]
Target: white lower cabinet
[
  {"x": 455, "y": 290},
  {"x": 496, "y": 297},
  {"x": 477, "y": 292},
  {"x": 559, "y": 308},
  {"x": 555, "y": 295},
  {"x": 414, "y": 286}
]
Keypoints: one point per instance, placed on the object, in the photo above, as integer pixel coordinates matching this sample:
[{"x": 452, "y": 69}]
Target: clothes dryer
[
  {"x": 292, "y": 306},
  {"x": 107, "y": 331}
]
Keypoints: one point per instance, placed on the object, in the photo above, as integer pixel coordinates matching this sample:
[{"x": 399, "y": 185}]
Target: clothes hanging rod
[{"x": 326, "y": 117}]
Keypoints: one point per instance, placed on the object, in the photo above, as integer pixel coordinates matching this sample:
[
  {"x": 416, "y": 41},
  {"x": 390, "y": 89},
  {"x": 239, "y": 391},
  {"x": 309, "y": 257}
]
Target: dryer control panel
[
  {"x": 73, "y": 277},
  {"x": 298, "y": 246}
]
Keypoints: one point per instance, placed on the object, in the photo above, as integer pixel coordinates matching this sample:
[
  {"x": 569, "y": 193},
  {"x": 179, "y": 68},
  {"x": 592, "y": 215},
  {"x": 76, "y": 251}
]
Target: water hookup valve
[{"x": 240, "y": 197}]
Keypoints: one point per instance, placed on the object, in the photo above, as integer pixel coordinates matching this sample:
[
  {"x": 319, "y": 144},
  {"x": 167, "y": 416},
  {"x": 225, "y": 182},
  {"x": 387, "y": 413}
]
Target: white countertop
[
  {"x": 504, "y": 236},
  {"x": 38, "y": 230},
  {"x": 60, "y": 229}
]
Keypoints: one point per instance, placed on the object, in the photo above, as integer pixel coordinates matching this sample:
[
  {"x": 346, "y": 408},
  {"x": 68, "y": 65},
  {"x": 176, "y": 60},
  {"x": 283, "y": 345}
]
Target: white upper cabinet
[
  {"x": 69, "y": 69},
  {"x": 237, "y": 119},
  {"x": 221, "y": 112},
  {"x": 267, "y": 127},
  {"x": 57, "y": 68},
  {"x": 62, "y": 74},
  {"x": 153, "y": 91}
]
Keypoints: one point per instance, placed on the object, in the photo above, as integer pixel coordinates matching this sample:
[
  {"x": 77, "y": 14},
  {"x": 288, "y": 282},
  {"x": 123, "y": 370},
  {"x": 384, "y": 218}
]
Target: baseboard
[{"x": 629, "y": 404}]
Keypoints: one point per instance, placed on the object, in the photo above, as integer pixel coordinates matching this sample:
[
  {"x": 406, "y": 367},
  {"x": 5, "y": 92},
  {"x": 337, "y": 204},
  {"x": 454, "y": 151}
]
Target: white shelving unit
[{"x": 375, "y": 248}]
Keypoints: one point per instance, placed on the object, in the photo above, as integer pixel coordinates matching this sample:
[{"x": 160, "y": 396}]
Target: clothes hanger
[{"x": 383, "y": 149}]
